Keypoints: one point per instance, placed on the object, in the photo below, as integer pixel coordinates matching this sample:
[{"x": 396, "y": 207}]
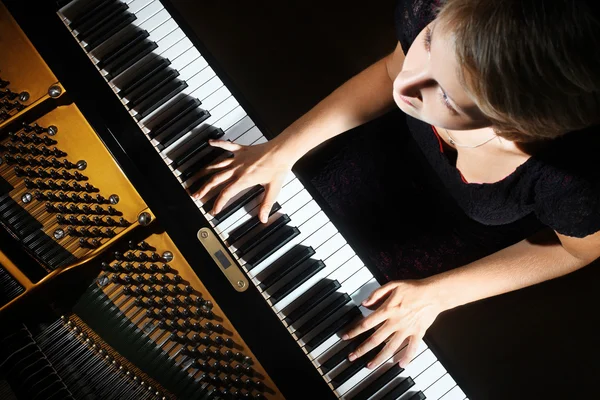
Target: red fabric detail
[{"x": 437, "y": 135}]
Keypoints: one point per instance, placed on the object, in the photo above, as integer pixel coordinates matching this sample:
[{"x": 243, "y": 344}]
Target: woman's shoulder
[
  {"x": 410, "y": 17},
  {"x": 567, "y": 188}
]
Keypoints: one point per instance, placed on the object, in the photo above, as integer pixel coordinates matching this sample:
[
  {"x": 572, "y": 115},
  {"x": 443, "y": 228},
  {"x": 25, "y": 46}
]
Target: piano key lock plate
[
  {"x": 25, "y": 79},
  {"x": 221, "y": 256}
]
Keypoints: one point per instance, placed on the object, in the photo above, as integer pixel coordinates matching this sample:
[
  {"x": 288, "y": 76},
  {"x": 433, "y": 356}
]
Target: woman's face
[{"x": 428, "y": 87}]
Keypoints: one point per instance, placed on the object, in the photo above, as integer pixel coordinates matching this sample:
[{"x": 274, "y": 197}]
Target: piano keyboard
[{"x": 308, "y": 274}]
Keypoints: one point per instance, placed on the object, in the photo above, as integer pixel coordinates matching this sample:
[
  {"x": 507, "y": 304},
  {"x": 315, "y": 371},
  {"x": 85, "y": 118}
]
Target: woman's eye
[{"x": 427, "y": 39}]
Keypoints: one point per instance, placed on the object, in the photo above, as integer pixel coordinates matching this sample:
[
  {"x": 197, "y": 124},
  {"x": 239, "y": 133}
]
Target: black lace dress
[{"x": 406, "y": 208}]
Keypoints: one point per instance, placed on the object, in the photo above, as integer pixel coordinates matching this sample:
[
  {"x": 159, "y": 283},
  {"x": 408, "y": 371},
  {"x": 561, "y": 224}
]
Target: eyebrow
[{"x": 431, "y": 29}]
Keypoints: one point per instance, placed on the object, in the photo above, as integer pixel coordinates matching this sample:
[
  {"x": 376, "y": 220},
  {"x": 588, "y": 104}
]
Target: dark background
[{"x": 537, "y": 343}]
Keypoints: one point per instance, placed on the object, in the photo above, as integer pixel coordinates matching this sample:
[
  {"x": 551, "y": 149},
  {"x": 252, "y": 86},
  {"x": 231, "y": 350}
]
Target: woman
[{"x": 502, "y": 99}]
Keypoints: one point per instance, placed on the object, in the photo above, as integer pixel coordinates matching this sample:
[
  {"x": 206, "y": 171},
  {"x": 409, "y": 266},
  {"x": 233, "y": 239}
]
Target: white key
[
  {"x": 335, "y": 339},
  {"x": 231, "y": 113},
  {"x": 239, "y": 217},
  {"x": 349, "y": 269},
  {"x": 238, "y": 129},
  {"x": 418, "y": 365},
  {"x": 314, "y": 231},
  {"x": 136, "y": 5},
  {"x": 455, "y": 393},
  {"x": 174, "y": 44},
  {"x": 305, "y": 231},
  {"x": 230, "y": 119},
  {"x": 242, "y": 216},
  {"x": 350, "y": 266},
  {"x": 174, "y": 149},
  {"x": 163, "y": 30},
  {"x": 362, "y": 374},
  {"x": 249, "y": 137},
  {"x": 356, "y": 299},
  {"x": 261, "y": 140},
  {"x": 430, "y": 376},
  {"x": 336, "y": 242},
  {"x": 155, "y": 21},
  {"x": 189, "y": 68},
  {"x": 440, "y": 388},
  {"x": 350, "y": 286},
  {"x": 146, "y": 12},
  {"x": 377, "y": 372},
  {"x": 315, "y": 240}
]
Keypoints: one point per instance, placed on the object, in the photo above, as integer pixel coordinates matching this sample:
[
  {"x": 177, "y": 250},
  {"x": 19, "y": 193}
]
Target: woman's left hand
[{"x": 407, "y": 310}]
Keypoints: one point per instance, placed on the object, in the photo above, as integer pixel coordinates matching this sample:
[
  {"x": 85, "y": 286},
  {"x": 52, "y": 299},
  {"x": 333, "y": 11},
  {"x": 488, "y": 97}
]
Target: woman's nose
[{"x": 411, "y": 83}]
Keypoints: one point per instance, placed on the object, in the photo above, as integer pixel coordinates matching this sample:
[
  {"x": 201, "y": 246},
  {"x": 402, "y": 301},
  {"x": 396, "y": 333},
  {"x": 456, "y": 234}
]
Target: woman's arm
[
  {"x": 523, "y": 264},
  {"x": 359, "y": 100},
  {"x": 408, "y": 308}
]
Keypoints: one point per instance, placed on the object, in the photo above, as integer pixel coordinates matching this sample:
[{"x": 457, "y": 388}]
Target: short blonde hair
[{"x": 532, "y": 65}]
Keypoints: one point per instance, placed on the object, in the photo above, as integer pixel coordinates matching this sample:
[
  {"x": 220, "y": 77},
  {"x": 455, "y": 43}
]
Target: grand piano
[{"x": 156, "y": 78}]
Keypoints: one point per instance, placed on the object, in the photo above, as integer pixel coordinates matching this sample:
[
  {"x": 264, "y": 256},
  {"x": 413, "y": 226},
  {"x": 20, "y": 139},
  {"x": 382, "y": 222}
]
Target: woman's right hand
[{"x": 262, "y": 164}]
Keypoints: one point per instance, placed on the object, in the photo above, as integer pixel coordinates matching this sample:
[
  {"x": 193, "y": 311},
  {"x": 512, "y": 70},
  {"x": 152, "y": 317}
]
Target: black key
[
  {"x": 355, "y": 366},
  {"x": 298, "y": 280},
  {"x": 379, "y": 383},
  {"x": 128, "y": 42},
  {"x": 105, "y": 32},
  {"x": 100, "y": 18},
  {"x": 272, "y": 244},
  {"x": 418, "y": 396},
  {"x": 343, "y": 353},
  {"x": 311, "y": 298},
  {"x": 286, "y": 263},
  {"x": 126, "y": 60},
  {"x": 262, "y": 235},
  {"x": 339, "y": 301},
  {"x": 211, "y": 133},
  {"x": 197, "y": 166},
  {"x": 91, "y": 9},
  {"x": 399, "y": 389},
  {"x": 161, "y": 79},
  {"x": 247, "y": 226},
  {"x": 199, "y": 183},
  {"x": 182, "y": 127},
  {"x": 160, "y": 97},
  {"x": 175, "y": 114},
  {"x": 238, "y": 204},
  {"x": 334, "y": 327},
  {"x": 142, "y": 75}
]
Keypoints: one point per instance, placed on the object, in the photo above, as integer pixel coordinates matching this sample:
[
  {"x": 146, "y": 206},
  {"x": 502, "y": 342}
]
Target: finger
[
  {"x": 220, "y": 164},
  {"x": 214, "y": 181},
  {"x": 367, "y": 323},
  {"x": 225, "y": 145},
  {"x": 378, "y": 294},
  {"x": 411, "y": 351},
  {"x": 388, "y": 350},
  {"x": 227, "y": 194},
  {"x": 271, "y": 193},
  {"x": 373, "y": 341}
]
